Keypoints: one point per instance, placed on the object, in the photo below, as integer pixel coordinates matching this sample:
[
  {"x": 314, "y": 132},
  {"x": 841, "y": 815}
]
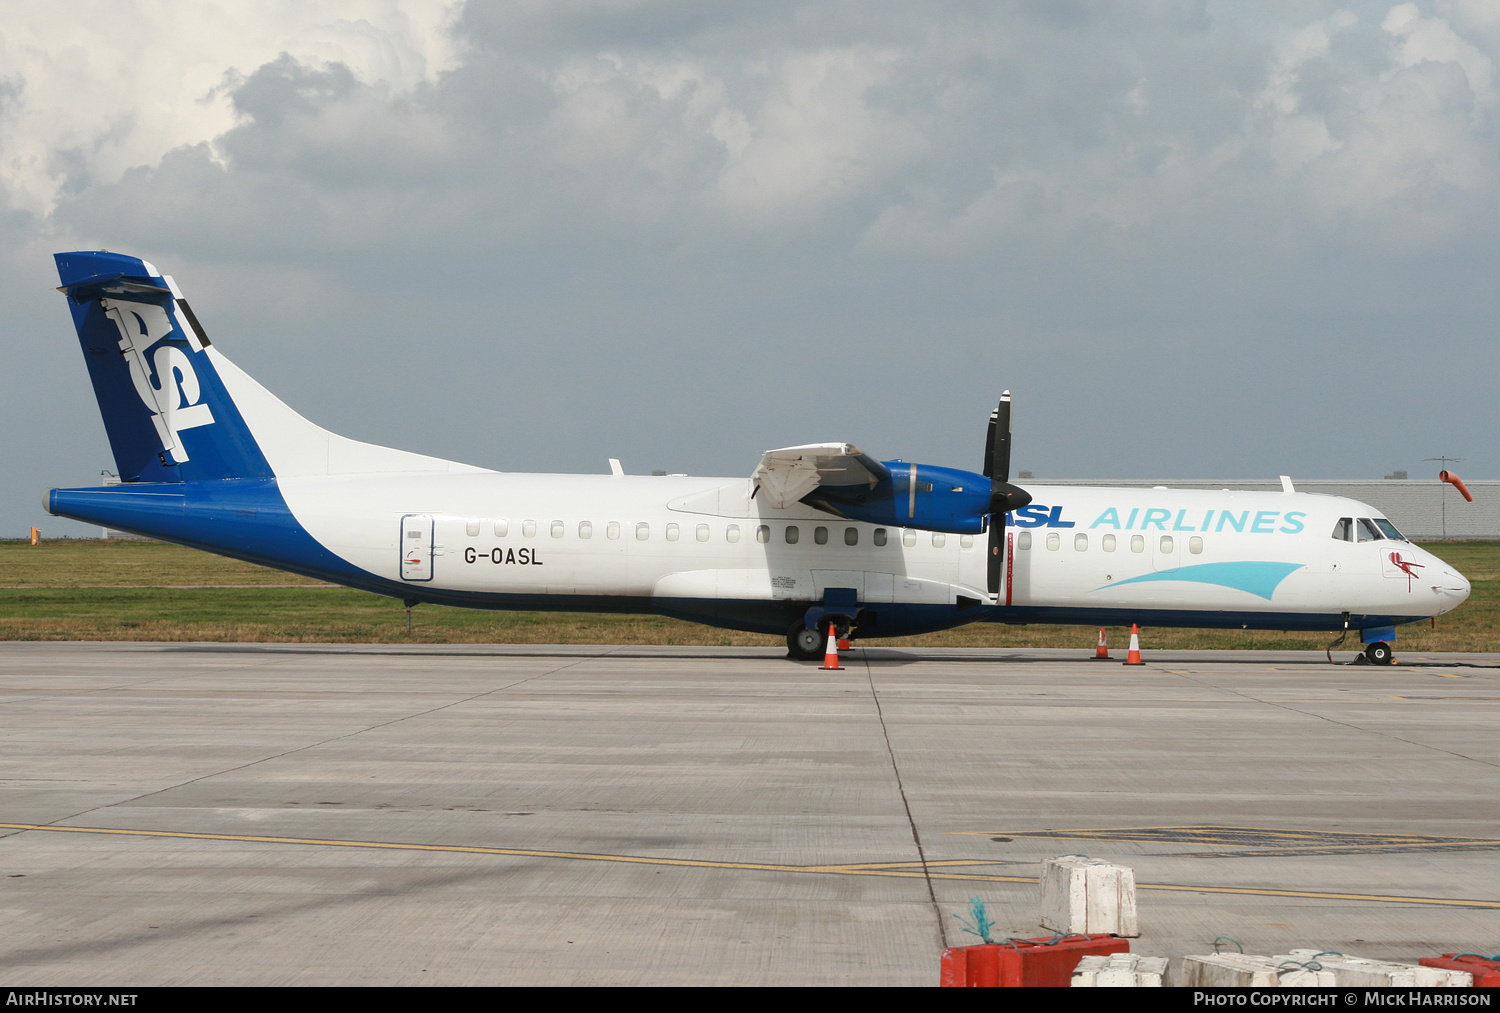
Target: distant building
[{"x": 1424, "y": 509}]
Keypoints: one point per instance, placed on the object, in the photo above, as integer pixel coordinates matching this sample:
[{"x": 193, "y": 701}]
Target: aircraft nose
[{"x": 1452, "y": 586}]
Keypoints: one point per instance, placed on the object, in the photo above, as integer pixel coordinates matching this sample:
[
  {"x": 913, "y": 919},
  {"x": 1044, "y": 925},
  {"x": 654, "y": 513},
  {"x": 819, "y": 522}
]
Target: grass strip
[{"x": 82, "y": 589}]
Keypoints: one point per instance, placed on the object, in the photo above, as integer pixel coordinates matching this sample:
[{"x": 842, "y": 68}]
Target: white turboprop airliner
[{"x": 816, "y": 535}]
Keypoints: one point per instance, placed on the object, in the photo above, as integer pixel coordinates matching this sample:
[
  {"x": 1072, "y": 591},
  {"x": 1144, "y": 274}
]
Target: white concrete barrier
[
  {"x": 1121, "y": 970},
  {"x": 1229, "y": 970},
  {"x": 1353, "y": 971},
  {"x": 1089, "y": 895}
]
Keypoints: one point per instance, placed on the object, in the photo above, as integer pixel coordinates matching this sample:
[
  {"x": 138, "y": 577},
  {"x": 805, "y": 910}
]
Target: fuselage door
[
  {"x": 1165, "y": 551},
  {"x": 416, "y": 547}
]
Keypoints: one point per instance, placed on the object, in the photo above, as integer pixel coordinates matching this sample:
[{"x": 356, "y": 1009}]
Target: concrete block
[
  {"x": 1121, "y": 970},
  {"x": 1252, "y": 970},
  {"x": 1229, "y": 970},
  {"x": 1081, "y": 894},
  {"x": 1356, "y": 971}
]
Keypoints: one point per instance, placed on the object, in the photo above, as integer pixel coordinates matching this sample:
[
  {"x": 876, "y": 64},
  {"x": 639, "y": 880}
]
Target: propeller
[{"x": 1004, "y": 497}]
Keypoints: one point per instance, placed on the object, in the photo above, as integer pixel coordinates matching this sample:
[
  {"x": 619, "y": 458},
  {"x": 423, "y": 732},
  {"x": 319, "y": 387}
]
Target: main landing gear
[{"x": 804, "y": 644}]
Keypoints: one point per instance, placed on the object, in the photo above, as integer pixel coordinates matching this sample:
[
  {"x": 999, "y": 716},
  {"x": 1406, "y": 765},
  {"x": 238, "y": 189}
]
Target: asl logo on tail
[{"x": 163, "y": 374}]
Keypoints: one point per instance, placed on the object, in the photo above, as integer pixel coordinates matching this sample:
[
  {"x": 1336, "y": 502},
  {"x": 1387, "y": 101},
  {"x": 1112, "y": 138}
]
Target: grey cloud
[{"x": 1195, "y": 238}]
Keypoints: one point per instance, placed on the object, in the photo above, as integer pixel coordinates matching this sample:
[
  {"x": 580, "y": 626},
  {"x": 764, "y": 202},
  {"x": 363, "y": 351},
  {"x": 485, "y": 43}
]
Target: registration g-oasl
[{"x": 817, "y": 534}]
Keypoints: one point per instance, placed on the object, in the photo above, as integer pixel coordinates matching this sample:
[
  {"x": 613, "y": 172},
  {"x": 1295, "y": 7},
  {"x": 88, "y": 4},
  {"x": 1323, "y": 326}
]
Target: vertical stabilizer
[
  {"x": 178, "y": 411},
  {"x": 166, "y": 411}
]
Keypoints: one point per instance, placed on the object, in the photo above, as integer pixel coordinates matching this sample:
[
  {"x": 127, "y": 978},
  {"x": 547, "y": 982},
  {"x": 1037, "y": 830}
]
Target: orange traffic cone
[
  {"x": 831, "y": 655},
  {"x": 1134, "y": 657},
  {"x": 1101, "y": 653},
  {"x": 843, "y": 643}
]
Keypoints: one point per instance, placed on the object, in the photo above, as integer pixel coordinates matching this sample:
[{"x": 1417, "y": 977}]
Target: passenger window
[
  {"x": 1166, "y": 544},
  {"x": 528, "y": 529},
  {"x": 471, "y": 528},
  {"x": 1368, "y": 532},
  {"x": 1023, "y": 541},
  {"x": 1052, "y": 541},
  {"x": 851, "y": 536},
  {"x": 612, "y": 530},
  {"x": 1195, "y": 545},
  {"x": 965, "y": 541},
  {"x": 939, "y": 539},
  {"x": 1109, "y": 543},
  {"x": 820, "y": 535},
  {"x": 1137, "y": 543},
  {"x": 763, "y": 533},
  {"x": 502, "y": 528},
  {"x": 701, "y": 532},
  {"x": 585, "y": 529},
  {"x": 792, "y": 534},
  {"x": 1343, "y": 529},
  {"x": 642, "y": 531},
  {"x": 557, "y": 529},
  {"x": 1081, "y": 542},
  {"x": 879, "y": 536},
  {"x": 732, "y": 533},
  {"x": 908, "y": 538},
  {"x": 673, "y": 532}
]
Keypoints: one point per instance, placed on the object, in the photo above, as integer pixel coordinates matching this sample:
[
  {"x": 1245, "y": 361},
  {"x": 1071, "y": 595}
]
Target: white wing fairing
[
  {"x": 818, "y": 532},
  {"x": 785, "y": 476}
]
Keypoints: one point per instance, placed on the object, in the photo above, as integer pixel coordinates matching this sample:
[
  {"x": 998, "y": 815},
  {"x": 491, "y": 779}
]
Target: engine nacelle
[{"x": 915, "y": 496}]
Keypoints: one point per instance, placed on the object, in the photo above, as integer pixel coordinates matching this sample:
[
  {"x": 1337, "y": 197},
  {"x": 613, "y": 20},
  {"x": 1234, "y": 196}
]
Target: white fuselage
[{"x": 699, "y": 539}]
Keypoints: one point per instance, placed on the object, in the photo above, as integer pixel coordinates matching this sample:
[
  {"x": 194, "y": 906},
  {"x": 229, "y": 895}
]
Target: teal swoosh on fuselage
[{"x": 1253, "y": 576}]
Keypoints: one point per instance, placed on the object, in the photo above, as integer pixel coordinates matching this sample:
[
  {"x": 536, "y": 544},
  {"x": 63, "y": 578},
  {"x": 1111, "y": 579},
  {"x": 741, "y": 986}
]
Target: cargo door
[{"x": 416, "y": 547}]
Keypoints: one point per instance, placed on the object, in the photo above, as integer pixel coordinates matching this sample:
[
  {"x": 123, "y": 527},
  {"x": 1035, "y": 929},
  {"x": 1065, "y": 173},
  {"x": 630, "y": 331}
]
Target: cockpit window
[
  {"x": 1368, "y": 532},
  {"x": 1389, "y": 529},
  {"x": 1343, "y": 529}
]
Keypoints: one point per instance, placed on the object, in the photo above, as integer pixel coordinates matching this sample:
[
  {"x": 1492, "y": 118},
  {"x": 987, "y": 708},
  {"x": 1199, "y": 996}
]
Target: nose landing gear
[{"x": 1377, "y": 651}]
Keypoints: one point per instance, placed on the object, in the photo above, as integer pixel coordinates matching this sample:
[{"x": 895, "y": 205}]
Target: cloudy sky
[{"x": 1196, "y": 239}]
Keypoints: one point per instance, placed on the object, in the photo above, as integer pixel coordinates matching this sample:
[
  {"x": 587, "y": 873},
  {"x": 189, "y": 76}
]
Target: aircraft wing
[{"x": 785, "y": 476}]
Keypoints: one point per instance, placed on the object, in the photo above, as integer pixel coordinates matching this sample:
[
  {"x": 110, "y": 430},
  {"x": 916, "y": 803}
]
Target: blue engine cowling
[{"x": 914, "y": 496}]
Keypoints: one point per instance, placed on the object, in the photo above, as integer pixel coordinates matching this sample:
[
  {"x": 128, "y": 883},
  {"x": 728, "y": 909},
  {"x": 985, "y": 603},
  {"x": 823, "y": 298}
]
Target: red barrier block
[
  {"x": 1024, "y": 963},
  {"x": 1486, "y": 972}
]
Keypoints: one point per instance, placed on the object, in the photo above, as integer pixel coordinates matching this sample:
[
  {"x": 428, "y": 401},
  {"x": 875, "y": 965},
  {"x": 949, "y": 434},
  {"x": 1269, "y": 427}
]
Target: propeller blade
[
  {"x": 1004, "y": 497},
  {"x": 989, "y": 446},
  {"x": 997, "y": 444}
]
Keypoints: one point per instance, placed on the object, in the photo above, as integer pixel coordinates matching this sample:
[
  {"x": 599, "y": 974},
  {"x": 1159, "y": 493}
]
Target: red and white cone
[
  {"x": 1101, "y": 653},
  {"x": 831, "y": 655},
  {"x": 1134, "y": 657}
]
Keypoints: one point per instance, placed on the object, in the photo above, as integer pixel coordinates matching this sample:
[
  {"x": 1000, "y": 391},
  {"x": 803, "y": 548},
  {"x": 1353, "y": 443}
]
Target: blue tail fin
[{"x": 165, "y": 407}]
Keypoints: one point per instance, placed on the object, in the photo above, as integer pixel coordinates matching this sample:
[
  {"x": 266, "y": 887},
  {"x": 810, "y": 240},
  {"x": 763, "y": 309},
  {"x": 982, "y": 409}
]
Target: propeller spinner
[{"x": 1004, "y": 497}]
